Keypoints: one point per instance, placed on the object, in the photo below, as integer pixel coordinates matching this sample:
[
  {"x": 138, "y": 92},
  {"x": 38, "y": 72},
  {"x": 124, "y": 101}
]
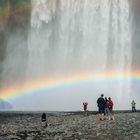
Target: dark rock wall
[
  {"x": 3, "y": 21},
  {"x": 136, "y": 33},
  {"x": 14, "y": 27},
  {"x": 136, "y": 45}
]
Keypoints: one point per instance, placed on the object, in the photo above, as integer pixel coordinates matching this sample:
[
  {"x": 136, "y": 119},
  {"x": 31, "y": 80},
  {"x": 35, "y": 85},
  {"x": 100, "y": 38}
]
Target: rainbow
[{"x": 45, "y": 84}]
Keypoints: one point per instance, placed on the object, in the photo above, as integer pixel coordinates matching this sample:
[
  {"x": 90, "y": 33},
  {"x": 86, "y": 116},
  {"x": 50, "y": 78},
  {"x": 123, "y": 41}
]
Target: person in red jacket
[
  {"x": 106, "y": 106},
  {"x": 109, "y": 105},
  {"x": 85, "y": 106}
]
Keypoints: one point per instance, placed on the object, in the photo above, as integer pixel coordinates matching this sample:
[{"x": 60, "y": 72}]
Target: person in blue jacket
[{"x": 101, "y": 107}]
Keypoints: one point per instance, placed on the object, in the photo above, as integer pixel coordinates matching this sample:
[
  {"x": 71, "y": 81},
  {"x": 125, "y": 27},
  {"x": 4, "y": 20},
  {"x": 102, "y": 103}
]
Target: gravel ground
[{"x": 69, "y": 126}]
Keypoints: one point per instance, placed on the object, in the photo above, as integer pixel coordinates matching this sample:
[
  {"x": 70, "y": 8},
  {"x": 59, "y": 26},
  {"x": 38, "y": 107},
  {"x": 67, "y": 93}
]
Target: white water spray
[{"x": 81, "y": 35}]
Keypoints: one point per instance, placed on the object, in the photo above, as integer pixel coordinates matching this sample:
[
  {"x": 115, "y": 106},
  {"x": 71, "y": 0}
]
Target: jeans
[{"x": 106, "y": 111}]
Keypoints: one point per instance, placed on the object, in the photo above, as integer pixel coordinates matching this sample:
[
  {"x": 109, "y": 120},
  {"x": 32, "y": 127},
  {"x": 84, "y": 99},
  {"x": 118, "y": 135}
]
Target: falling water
[
  {"x": 74, "y": 34},
  {"x": 69, "y": 35},
  {"x": 120, "y": 45},
  {"x": 81, "y": 35}
]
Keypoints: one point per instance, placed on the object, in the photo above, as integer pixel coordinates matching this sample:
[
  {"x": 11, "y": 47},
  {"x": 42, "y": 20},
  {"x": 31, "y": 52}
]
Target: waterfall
[
  {"x": 120, "y": 45},
  {"x": 119, "y": 39},
  {"x": 69, "y": 35},
  {"x": 76, "y": 33},
  {"x": 81, "y": 35}
]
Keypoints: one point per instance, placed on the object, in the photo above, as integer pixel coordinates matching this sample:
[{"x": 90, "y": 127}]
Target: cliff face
[
  {"x": 5, "y": 105},
  {"x": 136, "y": 33},
  {"x": 14, "y": 27}
]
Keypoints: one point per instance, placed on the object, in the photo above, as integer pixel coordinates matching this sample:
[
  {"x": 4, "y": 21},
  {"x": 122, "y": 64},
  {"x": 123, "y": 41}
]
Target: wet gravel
[{"x": 69, "y": 126}]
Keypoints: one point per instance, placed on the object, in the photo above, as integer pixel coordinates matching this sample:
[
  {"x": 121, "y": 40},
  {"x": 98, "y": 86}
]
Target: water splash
[{"x": 81, "y": 35}]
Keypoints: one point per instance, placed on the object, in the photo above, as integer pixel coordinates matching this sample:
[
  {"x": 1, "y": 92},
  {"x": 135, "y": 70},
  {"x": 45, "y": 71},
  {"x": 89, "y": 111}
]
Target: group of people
[{"x": 105, "y": 107}]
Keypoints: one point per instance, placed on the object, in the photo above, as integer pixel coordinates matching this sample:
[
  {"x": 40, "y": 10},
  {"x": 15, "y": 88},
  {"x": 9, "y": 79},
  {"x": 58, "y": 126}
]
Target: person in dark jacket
[
  {"x": 133, "y": 103},
  {"x": 101, "y": 107},
  {"x": 43, "y": 120}
]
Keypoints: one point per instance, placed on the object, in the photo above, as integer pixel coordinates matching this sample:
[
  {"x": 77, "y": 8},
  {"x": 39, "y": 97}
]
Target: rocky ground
[{"x": 69, "y": 126}]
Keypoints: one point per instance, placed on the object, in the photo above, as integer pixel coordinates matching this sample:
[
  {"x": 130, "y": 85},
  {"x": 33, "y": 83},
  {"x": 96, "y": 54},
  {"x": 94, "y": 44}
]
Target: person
[
  {"x": 85, "y": 106},
  {"x": 110, "y": 108},
  {"x": 106, "y": 107},
  {"x": 43, "y": 120},
  {"x": 101, "y": 107},
  {"x": 133, "y": 106}
]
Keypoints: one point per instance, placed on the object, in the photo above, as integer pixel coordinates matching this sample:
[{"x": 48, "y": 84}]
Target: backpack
[{"x": 110, "y": 104}]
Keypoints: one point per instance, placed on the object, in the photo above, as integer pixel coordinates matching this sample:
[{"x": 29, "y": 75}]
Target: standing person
[
  {"x": 133, "y": 106},
  {"x": 110, "y": 108},
  {"x": 85, "y": 106},
  {"x": 106, "y": 107},
  {"x": 43, "y": 120},
  {"x": 101, "y": 107}
]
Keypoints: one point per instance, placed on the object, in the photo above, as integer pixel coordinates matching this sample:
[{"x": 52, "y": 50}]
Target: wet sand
[{"x": 68, "y": 126}]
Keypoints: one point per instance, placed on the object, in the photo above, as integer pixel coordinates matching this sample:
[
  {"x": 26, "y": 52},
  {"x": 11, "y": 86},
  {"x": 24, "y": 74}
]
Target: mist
[{"x": 45, "y": 38}]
